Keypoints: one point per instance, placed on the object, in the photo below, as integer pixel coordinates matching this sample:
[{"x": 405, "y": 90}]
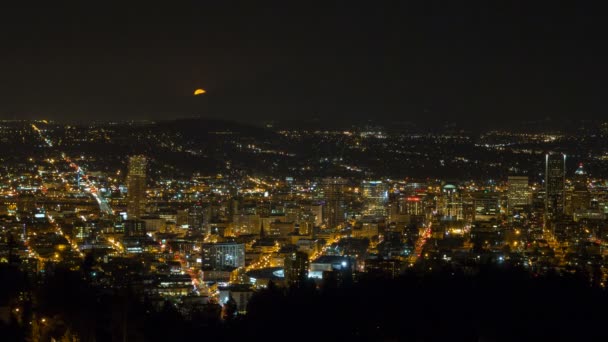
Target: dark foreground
[{"x": 494, "y": 305}]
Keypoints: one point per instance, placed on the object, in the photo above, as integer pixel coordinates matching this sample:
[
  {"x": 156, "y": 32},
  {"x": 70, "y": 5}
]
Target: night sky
[{"x": 437, "y": 60}]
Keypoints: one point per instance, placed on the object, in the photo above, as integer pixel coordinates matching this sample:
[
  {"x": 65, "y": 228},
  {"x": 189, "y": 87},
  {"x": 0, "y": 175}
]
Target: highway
[
  {"x": 89, "y": 186},
  {"x": 420, "y": 245}
]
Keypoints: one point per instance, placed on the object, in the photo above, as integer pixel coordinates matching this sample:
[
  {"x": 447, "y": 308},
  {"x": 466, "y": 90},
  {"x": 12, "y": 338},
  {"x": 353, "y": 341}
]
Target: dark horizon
[
  {"x": 474, "y": 65},
  {"x": 570, "y": 126}
]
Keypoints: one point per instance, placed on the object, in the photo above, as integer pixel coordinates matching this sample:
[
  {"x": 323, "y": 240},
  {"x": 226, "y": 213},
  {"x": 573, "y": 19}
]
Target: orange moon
[{"x": 199, "y": 91}]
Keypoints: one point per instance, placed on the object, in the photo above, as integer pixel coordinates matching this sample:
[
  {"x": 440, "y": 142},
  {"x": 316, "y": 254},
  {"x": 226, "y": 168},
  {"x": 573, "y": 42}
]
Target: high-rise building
[
  {"x": 136, "y": 187},
  {"x": 450, "y": 204},
  {"x": 220, "y": 255},
  {"x": 181, "y": 218},
  {"x": 580, "y": 198},
  {"x": 296, "y": 268},
  {"x": 484, "y": 204},
  {"x": 292, "y": 212},
  {"x": 375, "y": 197},
  {"x": 555, "y": 177},
  {"x": 519, "y": 192},
  {"x": 195, "y": 218},
  {"x": 317, "y": 213},
  {"x": 246, "y": 224},
  {"x": 333, "y": 201},
  {"x": 411, "y": 205},
  {"x": 136, "y": 228}
]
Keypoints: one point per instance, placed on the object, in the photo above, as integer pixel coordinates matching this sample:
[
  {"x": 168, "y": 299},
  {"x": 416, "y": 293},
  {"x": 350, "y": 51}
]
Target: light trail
[
  {"x": 422, "y": 239},
  {"x": 90, "y": 188}
]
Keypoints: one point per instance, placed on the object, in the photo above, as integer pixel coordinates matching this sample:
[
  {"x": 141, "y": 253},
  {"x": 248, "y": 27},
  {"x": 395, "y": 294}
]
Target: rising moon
[{"x": 199, "y": 91}]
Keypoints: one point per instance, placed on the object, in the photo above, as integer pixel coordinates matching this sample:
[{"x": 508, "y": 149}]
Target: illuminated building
[
  {"x": 366, "y": 229},
  {"x": 332, "y": 270},
  {"x": 83, "y": 230},
  {"x": 485, "y": 204},
  {"x": 240, "y": 293},
  {"x": 153, "y": 223},
  {"x": 387, "y": 267},
  {"x": 375, "y": 197},
  {"x": 406, "y": 209},
  {"x": 412, "y": 205},
  {"x": 261, "y": 277},
  {"x": 555, "y": 174},
  {"x": 450, "y": 203},
  {"x": 181, "y": 218},
  {"x": 580, "y": 198},
  {"x": 333, "y": 198},
  {"x": 329, "y": 263},
  {"x": 518, "y": 193},
  {"x": 317, "y": 213},
  {"x": 220, "y": 255},
  {"x": 170, "y": 285},
  {"x": 136, "y": 185},
  {"x": 280, "y": 229},
  {"x": 296, "y": 268},
  {"x": 292, "y": 213},
  {"x": 135, "y": 228},
  {"x": 247, "y": 224},
  {"x": 195, "y": 218}
]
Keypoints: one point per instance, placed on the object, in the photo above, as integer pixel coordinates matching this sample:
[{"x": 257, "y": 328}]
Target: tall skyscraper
[
  {"x": 136, "y": 187},
  {"x": 296, "y": 268},
  {"x": 135, "y": 228},
  {"x": 519, "y": 192},
  {"x": 555, "y": 178},
  {"x": 195, "y": 218},
  {"x": 333, "y": 201},
  {"x": 581, "y": 198},
  {"x": 450, "y": 204},
  {"x": 411, "y": 205},
  {"x": 375, "y": 197}
]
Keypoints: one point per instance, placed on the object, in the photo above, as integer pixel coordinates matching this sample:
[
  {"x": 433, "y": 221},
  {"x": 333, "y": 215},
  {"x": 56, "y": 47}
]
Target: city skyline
[
  {"x": 277, "y": 171},
  {"x": 226, "y": 221}
]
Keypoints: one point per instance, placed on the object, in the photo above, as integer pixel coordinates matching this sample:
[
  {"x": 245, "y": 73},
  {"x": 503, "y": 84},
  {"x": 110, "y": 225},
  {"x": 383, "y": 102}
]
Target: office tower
[
  {"x": 293, "y": 213},
  {"x": 195, "y": 218},
  {"x": 220, "y": 255},
  {"x": 450, "y": 203},
  {"x": 333, "y": 201},
  {"x": 555, "y": 174},
  {"x": 485, "y": 203},
  {"x": 136, "y": 228},
  {"x": 181, "y": 218},
  {"x": 411, "y": 205},
  {"x": 246, "y": 224},
  {"x": 317, "y": 213},
  {"x": 136, "y": 187},
  {"x": 518, "y": 194},
  {"x": 581, "y": 198},
  {"x": 469, "y": 204},
  {"x": 375, "y": 197},
  {"x": 296, "y": 268}
]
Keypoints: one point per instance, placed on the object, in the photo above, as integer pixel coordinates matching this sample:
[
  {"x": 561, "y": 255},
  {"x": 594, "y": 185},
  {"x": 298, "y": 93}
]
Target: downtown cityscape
[
  {"x": 303, "y": 171},
  {"x": 203, "y": 218}
]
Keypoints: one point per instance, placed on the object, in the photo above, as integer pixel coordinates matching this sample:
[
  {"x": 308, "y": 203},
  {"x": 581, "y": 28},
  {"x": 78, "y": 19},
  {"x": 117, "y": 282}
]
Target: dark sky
[{"x": 436, "y": 60}]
